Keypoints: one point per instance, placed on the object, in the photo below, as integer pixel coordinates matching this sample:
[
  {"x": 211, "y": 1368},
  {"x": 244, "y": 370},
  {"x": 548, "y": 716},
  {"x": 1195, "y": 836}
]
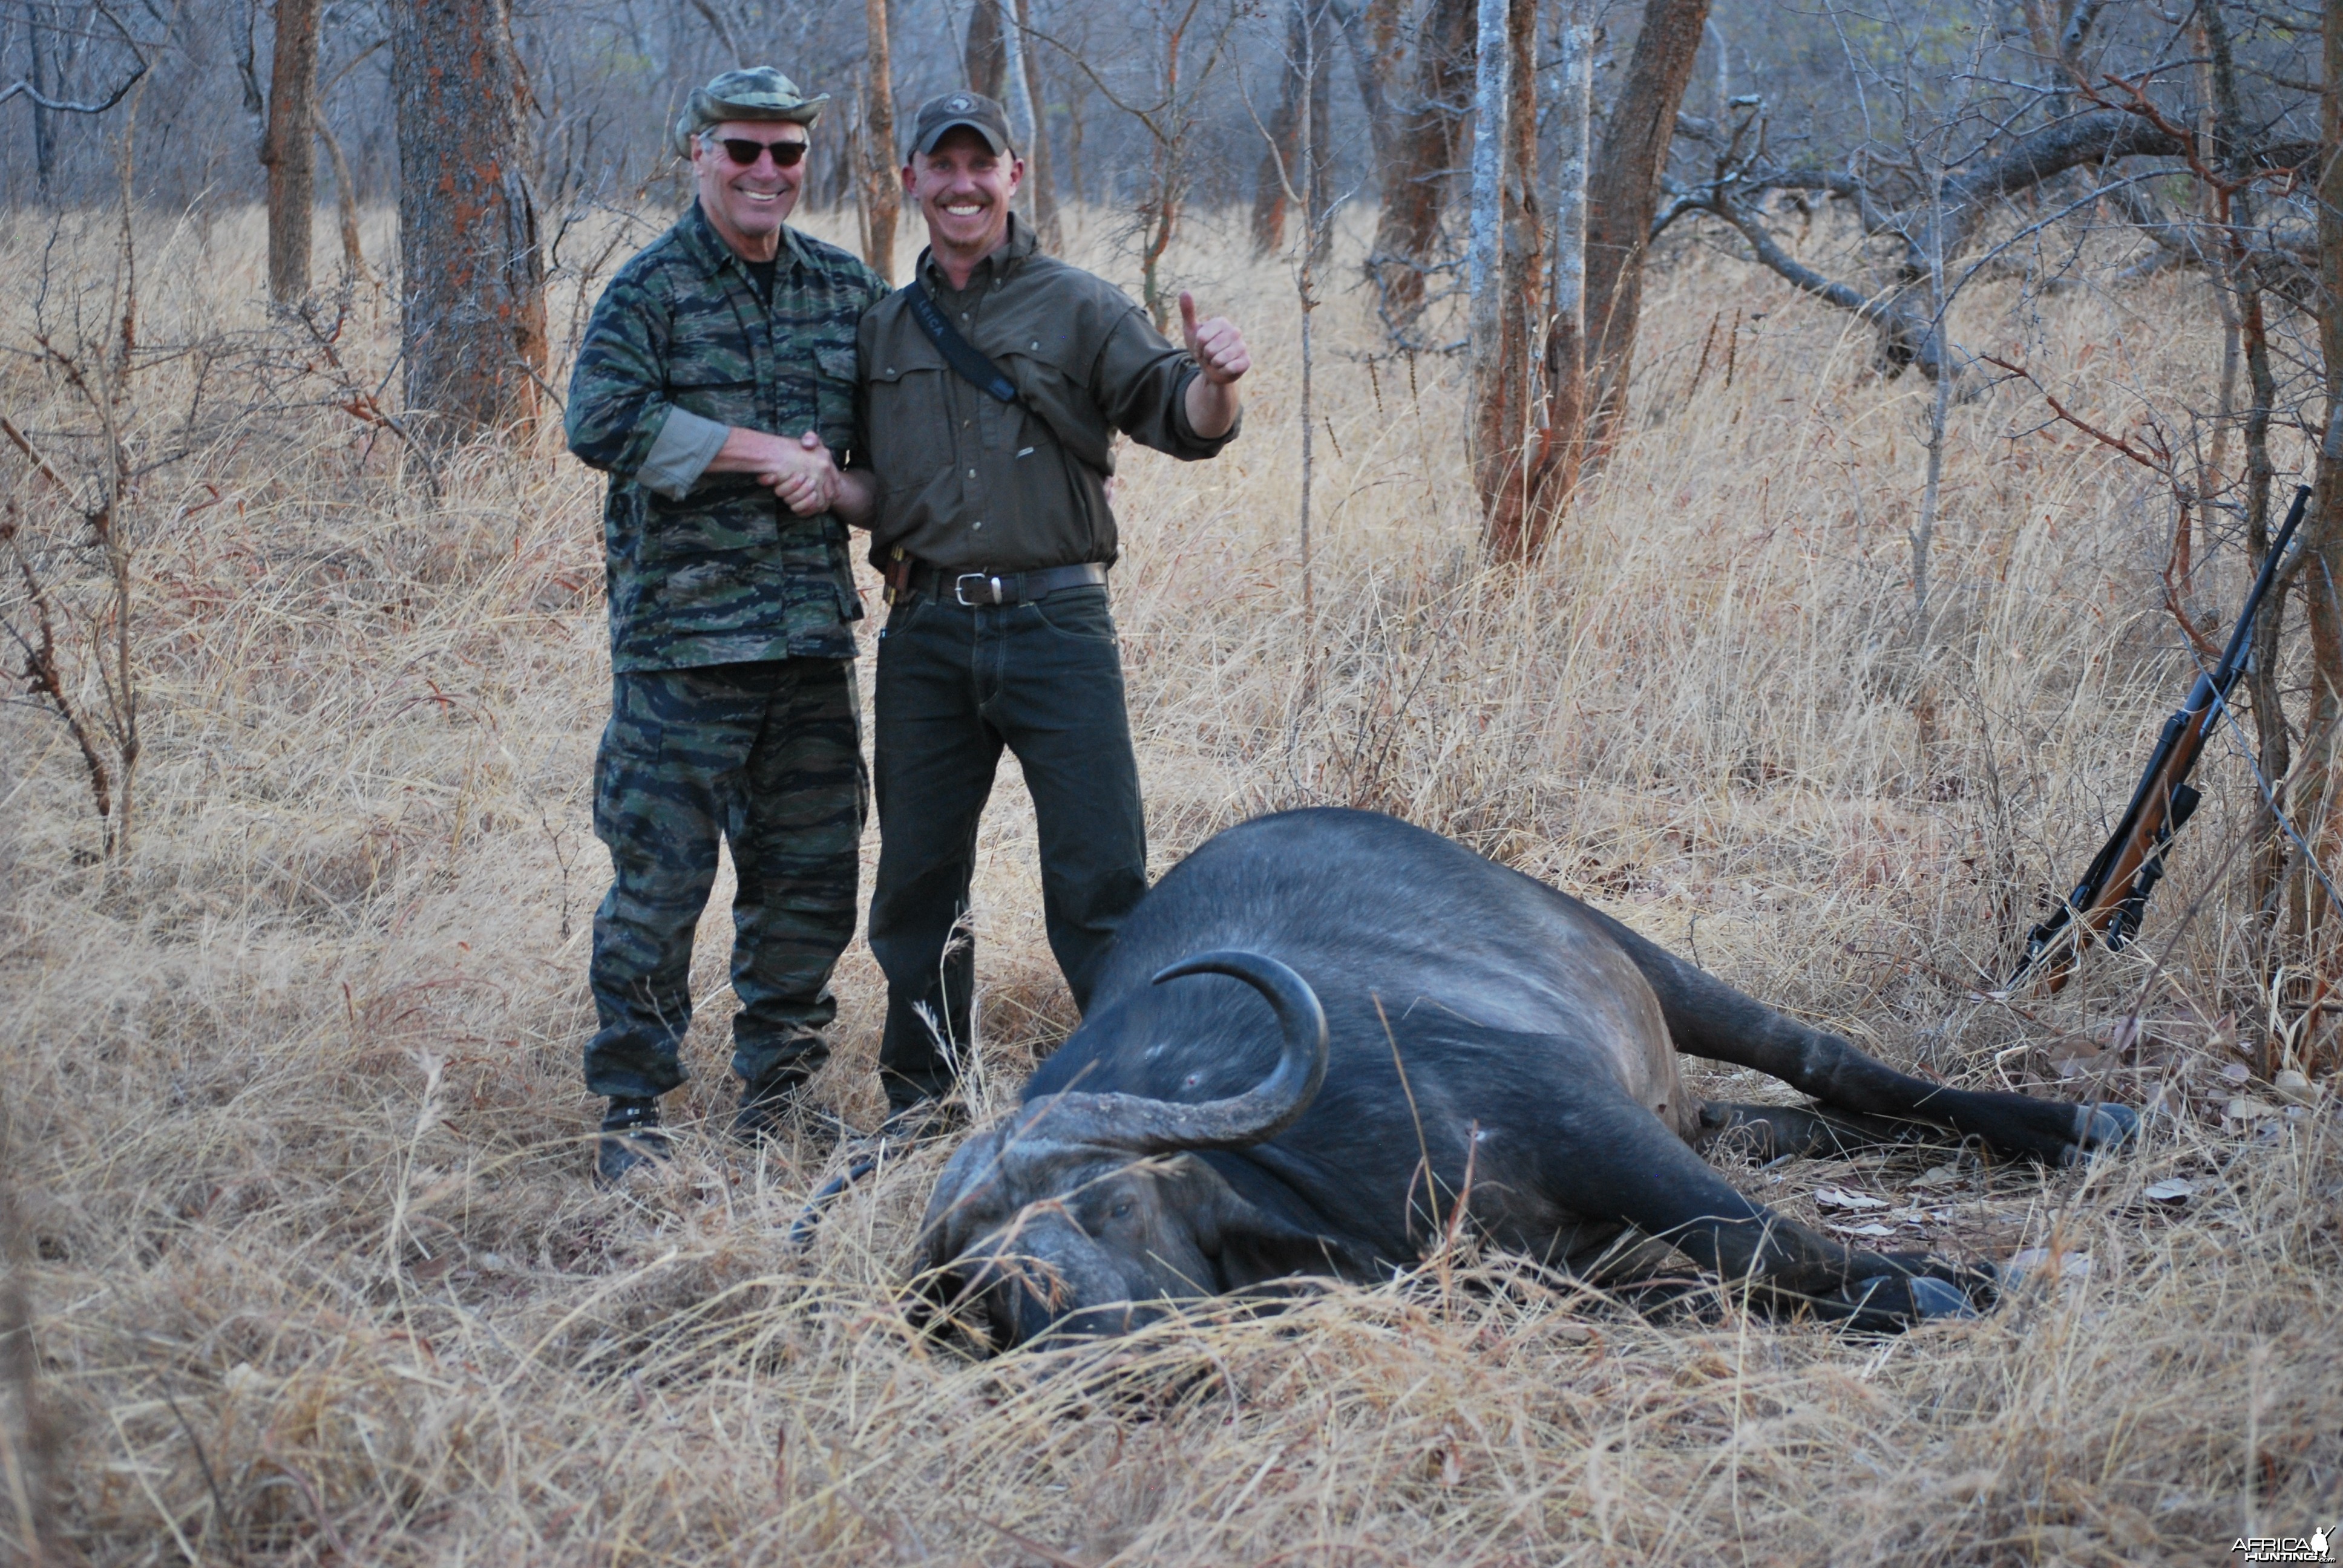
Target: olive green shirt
[{"x": 968, "y": 483}]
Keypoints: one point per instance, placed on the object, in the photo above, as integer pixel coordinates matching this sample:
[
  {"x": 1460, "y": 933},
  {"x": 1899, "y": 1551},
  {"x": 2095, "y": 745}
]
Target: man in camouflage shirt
[{"x": 716, "y": 380}]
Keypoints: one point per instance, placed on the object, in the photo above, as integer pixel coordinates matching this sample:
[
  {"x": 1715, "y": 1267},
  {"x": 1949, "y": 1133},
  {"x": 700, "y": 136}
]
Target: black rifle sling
[
  {"x": 969, "y": 363},
  {"x": 966, "y": 361}
]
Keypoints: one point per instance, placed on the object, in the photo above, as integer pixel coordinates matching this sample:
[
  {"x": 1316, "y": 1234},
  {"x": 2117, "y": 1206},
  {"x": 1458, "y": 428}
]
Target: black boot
[
  {"x": 776, "y": 1110},
  {"x": 630, "y": 1137},
  {"x": 922, "y": 1121}
]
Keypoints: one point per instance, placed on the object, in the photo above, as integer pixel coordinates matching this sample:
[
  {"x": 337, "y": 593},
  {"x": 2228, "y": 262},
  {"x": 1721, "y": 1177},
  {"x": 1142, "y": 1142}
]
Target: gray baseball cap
[
  {"x": 946, "y": 111},
  {"x": 753, "y": 93}
]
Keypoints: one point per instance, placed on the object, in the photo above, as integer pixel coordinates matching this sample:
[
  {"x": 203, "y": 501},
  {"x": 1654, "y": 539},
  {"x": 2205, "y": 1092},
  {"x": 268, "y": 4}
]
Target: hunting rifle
[{"x": 2110, "y": 900}]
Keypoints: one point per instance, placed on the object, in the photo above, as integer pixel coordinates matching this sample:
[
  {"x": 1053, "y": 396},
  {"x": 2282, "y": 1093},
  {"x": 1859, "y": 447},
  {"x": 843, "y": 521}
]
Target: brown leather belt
[{"x": 908, "y": 577}]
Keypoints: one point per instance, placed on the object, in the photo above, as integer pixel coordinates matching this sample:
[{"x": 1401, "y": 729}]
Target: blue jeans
[{"x": 956, "y": 684}]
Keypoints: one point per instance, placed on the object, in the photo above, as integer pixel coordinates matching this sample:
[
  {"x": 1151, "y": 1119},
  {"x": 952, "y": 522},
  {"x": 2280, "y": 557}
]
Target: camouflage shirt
[{"x": 711, "y": 569}]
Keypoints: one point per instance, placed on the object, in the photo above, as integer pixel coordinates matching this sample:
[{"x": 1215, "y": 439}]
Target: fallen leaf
[
  {"x": 2036, "y": 1261},
  {"x": 2245, "y": 1108},
  {"x": 1875, "y": 1229},
  {"x": 1938, "y": 1176},
  {"x": 1834, "y": 1198},
  {"x": 2171, "y": 1190},
  {"x": 2085, "y": 1063},
  {"x": 2295, "y": 1089},
  {"x": 2237, "y": 1072}
]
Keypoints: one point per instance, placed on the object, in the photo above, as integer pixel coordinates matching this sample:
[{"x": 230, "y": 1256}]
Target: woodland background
[{"x": 1766, "y": 469}]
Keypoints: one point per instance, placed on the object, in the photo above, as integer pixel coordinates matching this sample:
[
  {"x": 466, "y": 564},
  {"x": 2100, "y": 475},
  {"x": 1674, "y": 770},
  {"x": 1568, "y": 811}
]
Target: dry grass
[{"x": 295, "y": 1135}]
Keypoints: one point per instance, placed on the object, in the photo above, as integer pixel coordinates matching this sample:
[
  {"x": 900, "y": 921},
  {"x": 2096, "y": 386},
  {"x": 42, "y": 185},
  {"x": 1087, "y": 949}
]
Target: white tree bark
[
  {"x": 1573, "y": 96},
  {"x": 1021, "y": 122},
  {"x": 1493, "y": 81}
]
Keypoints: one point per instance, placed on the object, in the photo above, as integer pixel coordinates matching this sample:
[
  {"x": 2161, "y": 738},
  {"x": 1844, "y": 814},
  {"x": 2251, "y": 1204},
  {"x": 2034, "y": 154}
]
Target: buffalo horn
[{"x": 1147, "y": 1126}]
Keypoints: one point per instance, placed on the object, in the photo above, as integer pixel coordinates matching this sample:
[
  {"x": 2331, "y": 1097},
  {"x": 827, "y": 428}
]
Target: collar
[
  {"x": 997, "y": 264},
  {"x": 708, "y": 248}
]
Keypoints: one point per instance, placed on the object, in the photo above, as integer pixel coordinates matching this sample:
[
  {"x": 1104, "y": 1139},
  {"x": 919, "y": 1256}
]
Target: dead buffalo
[{"x": 1324, "y": 1026}]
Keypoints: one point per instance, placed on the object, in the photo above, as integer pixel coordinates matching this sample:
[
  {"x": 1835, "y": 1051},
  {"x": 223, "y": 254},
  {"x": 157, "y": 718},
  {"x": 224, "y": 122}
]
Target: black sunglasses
[{"x": 744, "y": 152}]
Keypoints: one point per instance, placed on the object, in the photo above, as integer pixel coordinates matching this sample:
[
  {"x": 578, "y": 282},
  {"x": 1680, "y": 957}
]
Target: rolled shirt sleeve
[
  {"x": 1141, "y": 384},
  {"x": 686, "y": 444},
  {"x": 620, "y": 418}
]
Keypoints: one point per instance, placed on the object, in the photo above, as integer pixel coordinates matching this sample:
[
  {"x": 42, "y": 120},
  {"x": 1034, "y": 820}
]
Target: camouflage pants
[{"x": 767, "y": 757}]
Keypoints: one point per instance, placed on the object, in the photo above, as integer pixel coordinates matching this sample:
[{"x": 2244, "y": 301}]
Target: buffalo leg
[
  {"x": 1705, "y": 1017},
  {"x": 1613, "y": 1160},
  {"x": 1764, "y": 1133}
]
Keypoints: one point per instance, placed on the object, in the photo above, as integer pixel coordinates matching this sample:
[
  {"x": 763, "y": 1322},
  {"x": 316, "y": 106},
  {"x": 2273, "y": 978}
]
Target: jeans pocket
[{"x": 1082, "y": 613}]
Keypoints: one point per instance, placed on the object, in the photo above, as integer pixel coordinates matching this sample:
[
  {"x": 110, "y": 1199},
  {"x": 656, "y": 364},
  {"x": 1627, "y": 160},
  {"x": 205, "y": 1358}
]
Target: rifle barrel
[
  {"x": 2168, "y": 766},
  {"x": 2233, "y": 657}
]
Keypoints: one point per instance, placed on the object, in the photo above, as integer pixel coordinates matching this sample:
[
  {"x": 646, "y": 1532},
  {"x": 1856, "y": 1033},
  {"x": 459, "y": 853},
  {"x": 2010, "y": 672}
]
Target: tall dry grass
[{"x": 296, "y": 1136}]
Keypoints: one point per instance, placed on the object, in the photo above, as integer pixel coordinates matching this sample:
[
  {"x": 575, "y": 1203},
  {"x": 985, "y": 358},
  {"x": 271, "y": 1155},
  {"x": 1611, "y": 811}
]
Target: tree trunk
[
  {"x": 471, "y": 274},
  {"x": 1416, "y": 188},
  {"x": 1309, "y": 43},
  {"x": 985, "y": 53},
  {"x": 1373, "y": 33},
  {"x": 1504, "y": 268},
  {"x": 346, "y": 195},
  {"x": 289, "y": 150},
  {"x": 44, "y": 126},
  {"x": 1563, "y": 444},
  {"x": 1041, "y": 194},
  {"x": 1278, "y": 168},
  {"x": 2232, "y": 159},
  {"x": 1622, "y": 192},
  {"x": 2322, "y": 547},
  {"x": 882, "y": 192}
]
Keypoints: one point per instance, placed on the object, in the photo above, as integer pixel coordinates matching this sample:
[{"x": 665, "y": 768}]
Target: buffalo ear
[{"x": 1248, "y": 1244}]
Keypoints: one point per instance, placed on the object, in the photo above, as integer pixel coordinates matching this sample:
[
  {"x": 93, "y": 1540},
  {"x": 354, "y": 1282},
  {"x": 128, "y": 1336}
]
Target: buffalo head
[{"x": 1079, "y": 1214}]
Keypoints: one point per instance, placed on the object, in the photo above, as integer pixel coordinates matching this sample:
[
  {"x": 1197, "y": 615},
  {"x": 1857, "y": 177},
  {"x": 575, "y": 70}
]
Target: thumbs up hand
[{"x": 1219, "y": 347}]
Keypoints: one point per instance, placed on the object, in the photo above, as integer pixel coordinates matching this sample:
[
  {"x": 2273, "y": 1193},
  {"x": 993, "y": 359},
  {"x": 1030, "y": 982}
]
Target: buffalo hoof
[
  {"x": 1889, "y": 1303},
  {"x": 1940, "y": 1299},
  {"x": 2100, "y": 1126}
]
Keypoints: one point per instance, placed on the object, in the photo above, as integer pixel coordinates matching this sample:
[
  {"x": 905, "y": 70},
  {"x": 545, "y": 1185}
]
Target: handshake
[
  {"x": 798, "y": 469},
  {"x": 803, "y": 474}
]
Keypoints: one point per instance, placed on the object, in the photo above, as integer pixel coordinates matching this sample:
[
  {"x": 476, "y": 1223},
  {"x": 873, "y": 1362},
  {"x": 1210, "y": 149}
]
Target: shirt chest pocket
[
  {"x": 711, "y": 393},
  {"x": 908, "y": 421}
]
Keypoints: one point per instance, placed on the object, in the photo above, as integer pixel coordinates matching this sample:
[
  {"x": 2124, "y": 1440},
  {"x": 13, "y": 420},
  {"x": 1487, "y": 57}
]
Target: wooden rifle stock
[{"x": 2110, "y": 901}]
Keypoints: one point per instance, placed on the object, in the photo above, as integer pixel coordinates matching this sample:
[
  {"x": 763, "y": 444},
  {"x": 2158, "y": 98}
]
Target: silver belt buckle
[{"x": 959, "y": 590}]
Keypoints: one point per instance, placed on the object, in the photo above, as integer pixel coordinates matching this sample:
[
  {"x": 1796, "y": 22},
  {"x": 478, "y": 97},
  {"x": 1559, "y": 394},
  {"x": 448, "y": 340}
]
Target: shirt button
[
  {"x": 971, "y": 473},
  {"x": 963, "y": 316}
]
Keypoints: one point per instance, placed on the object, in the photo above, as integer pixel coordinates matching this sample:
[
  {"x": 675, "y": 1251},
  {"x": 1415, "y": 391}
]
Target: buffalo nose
[{"x": 1011, "y": 1301}]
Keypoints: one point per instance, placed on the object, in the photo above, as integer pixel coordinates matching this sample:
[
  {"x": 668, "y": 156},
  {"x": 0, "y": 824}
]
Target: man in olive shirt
[{"x": 989, "y": 519}]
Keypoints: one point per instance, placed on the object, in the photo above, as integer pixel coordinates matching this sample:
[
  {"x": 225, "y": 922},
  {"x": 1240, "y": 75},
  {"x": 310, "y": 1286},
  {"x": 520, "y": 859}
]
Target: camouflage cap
[
  {"x": 947, "y": 111},
  {"x": 753, "y": 93}
]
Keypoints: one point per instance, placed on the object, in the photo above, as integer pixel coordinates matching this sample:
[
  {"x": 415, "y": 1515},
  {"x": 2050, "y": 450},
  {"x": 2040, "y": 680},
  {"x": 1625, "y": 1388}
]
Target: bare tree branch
[{"x": 71, "y": 105}]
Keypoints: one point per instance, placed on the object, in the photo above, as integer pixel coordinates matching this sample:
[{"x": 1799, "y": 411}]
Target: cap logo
[{"x": 961, "y": 104}]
